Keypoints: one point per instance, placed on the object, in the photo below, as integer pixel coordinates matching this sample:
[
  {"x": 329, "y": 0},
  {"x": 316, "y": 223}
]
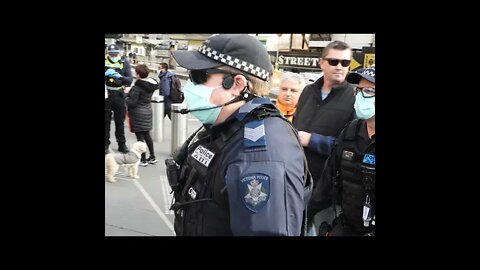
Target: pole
[
  {"x": 179, "y": 126},
  {"x": 158, "y": 115}
]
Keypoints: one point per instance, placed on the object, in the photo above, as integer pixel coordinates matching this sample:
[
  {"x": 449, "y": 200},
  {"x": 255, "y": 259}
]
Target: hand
[
  {"x": 304, "y": 137},
  {"x": 109, "y": 72},
  {"x": 116, "y": 75}
]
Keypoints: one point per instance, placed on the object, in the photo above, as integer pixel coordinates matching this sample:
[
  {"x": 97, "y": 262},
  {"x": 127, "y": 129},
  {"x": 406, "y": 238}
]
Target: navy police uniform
[
  {"x": 350, "y": 174},
  {"x": 244, "y": 176},
  {"x": 348, "y": 181},
  {"x": 115, "y": 102}
]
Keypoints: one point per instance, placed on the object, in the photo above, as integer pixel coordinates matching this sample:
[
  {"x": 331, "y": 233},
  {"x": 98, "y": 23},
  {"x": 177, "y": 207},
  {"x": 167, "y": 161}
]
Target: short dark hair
[
  {"x": 164, "y": 65},
  {"x": 336, "y": 45},
  {"x": 142, "y": 70}
]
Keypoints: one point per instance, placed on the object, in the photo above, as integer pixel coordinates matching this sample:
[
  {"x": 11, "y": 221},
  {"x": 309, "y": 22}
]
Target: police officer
[
  {"x": 350, "y": 170},
  {"x": 117, "y": 75},
  {"x": 244, "y": 172}
]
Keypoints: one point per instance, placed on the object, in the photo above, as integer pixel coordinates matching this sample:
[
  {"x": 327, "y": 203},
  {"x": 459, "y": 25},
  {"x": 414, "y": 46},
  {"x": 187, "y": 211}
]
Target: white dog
[{"x": 130, "y": 160}]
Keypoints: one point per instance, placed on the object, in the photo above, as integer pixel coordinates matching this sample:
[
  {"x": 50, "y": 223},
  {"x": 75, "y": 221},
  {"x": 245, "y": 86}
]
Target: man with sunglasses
[
  {"x": 244, "y": 172},
  {"x": 325, "y": 106},
  {"x": 350, "y": 171}
]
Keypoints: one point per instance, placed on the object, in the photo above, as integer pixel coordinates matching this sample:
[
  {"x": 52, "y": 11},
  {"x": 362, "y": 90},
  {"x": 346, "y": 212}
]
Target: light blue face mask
[
  {"x": 114, "y": 59},
  {"x": 197, "y": 96},
  {"x": 364, "y": 107}
]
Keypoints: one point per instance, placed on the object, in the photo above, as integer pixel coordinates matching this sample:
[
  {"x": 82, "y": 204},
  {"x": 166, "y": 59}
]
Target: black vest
[
  {"x": 327, "y": 117},
  {"x": 356, "y": 179},
  {"x": 201, "y": 203}
]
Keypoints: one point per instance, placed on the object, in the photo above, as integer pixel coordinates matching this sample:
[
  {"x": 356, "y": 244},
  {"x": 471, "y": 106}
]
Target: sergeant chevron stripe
[{"x": 254, "y": 134}]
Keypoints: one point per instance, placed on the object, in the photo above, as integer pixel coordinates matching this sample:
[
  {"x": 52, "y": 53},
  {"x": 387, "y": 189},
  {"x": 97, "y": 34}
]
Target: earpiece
[{"x": 228, "y": 82}]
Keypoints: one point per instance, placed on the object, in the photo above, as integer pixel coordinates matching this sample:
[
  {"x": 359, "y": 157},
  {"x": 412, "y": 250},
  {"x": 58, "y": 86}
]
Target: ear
[
  {"x": 240, "y": 82},
  {"x": 320, "y": 63}
]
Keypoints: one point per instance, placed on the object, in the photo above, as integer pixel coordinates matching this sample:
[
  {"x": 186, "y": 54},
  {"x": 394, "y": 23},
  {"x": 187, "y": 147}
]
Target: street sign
[
  {"x": 369, "y": 60},
  {"x": 297, "y": 60},
  {"x": 354, "y": 64}
]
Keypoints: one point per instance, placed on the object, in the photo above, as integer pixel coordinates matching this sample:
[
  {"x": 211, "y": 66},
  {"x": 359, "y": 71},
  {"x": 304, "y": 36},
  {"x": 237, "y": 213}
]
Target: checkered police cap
[
  {"x": 239, "y": 51},
  {"x": 368, "y": 74},
  {"x": 113, "y": 48}
]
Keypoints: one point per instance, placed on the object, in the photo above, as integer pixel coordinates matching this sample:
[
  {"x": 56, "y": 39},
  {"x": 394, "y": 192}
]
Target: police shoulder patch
[
  {"x": 254, "y": 135},
  {"x": 255, "y": 190}
]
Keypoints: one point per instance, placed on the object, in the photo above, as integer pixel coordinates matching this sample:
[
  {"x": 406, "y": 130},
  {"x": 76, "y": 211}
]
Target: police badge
[{"x": 256, "y": 191}]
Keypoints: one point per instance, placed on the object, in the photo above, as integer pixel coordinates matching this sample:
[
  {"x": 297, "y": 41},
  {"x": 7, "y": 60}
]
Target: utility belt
[
  {"x": 114, "y": 88},
  {"x": 113, "y": 83},
  {"x": 113, "y": 93}
]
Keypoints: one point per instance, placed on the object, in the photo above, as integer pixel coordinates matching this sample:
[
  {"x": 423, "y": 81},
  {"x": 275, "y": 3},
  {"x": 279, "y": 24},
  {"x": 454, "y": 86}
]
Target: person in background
[
  {"x": 325, "y": 107},
  {"x": 140, "y": 110},
  {"x": 165, "y": 77},
  {"x": 118, "y": 75},
  {"x": 291, "y": 86},
  {"x": 347, "y": 185}
]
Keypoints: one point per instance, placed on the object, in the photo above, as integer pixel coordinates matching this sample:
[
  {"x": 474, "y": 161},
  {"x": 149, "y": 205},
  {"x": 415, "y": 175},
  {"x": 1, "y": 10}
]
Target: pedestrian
[
  {"x": 165, "y": 77},
  {"x": 140, "y": 110}
]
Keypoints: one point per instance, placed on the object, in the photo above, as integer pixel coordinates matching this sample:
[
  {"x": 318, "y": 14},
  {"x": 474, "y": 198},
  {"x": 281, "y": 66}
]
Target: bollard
[
  {"x": 158, "y": 116},
  {"x": 179, "y": 126}
]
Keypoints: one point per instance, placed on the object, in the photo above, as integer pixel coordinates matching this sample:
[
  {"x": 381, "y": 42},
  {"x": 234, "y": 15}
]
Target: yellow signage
[
  {"x": 368, "y": 60},
  {"x": 354, "y": 64}
]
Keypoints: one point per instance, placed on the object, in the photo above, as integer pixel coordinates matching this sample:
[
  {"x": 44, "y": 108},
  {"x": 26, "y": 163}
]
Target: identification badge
[
  {"x": 203, "y": 155},
  {"x": 347, "y": 155},
  {"x": 369, "y": 159}
]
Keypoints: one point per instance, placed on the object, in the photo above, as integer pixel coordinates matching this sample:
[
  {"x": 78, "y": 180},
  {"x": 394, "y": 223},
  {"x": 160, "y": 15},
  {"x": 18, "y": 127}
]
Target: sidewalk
[{"x": 140, "y": 207}]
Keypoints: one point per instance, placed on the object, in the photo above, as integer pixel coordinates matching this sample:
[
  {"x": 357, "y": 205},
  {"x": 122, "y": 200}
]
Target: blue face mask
[
  {"x": 114, "y": 59},
  {"x": 364, "y": 107},
  {"x": 197, "y": 96}
]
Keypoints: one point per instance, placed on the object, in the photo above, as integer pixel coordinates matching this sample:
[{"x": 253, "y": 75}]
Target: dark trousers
[
  {"x": 115, "y": 104},
  {"x": 144, "y": 136},
  {"x": 342, "y": 229},
  {"x": 168, "y": 112}
]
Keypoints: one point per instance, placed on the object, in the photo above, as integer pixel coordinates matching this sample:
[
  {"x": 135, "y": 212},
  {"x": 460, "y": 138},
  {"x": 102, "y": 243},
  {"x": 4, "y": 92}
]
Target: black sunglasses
[
  {"x": 334, "y": 62},
  {"x": 200, "y": 76},
  {"x": 367, "y": 92}
]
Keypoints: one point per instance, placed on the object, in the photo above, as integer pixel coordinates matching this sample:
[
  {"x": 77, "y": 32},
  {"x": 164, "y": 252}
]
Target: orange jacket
[{"x": 286, "y": 110}]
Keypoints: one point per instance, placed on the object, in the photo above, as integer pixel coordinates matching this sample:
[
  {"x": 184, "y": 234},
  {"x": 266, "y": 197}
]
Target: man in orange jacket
[{"x": 291, "y": 86}]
